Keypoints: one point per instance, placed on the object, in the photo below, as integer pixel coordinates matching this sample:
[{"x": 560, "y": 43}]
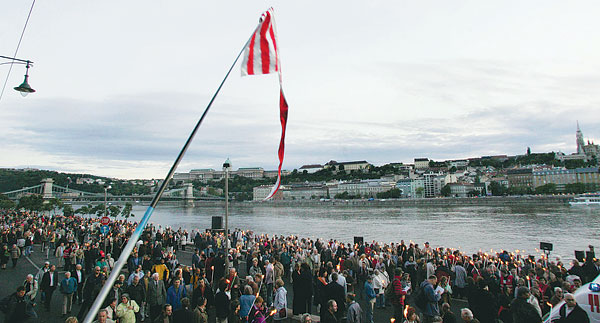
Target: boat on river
[{"x": 586, "y": 199}]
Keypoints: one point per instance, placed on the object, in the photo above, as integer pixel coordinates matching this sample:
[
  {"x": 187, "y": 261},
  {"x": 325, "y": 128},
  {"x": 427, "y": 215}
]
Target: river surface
[{"x": 469, "y": 228}]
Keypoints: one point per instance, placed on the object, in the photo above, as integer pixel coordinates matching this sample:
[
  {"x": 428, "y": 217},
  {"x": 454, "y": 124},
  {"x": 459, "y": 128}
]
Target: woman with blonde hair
[{"x": 280, "y": 301}]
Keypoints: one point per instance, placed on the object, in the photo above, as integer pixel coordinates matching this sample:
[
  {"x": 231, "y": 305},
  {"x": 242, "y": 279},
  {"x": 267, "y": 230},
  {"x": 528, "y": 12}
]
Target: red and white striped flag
[{"x": 261, "y": 57}]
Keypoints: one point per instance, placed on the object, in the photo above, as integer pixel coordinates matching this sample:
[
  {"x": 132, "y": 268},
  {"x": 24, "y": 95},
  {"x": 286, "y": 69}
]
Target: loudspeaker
[
  {"x": 589, "y": 256},
  {"x": 579, "y": 255},
  {"x": 546, "y": 246},
  {"x": 359, "y": 240},
  {"x": 217, "y": 222}
]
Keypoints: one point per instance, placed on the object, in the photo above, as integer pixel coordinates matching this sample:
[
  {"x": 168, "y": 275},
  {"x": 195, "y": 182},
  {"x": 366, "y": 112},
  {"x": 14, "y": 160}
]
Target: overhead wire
[{"x": 16, "y": 50}]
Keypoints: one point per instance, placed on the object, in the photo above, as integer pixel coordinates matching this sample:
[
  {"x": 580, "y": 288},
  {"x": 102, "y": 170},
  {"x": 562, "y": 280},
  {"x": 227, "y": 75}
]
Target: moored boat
[{"x": 586, "y": 199}]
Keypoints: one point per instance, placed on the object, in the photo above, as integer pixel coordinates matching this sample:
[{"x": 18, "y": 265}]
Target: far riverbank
[{"x": 532, "y": 200}]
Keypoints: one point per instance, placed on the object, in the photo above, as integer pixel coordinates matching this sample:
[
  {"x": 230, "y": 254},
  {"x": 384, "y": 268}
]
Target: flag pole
[{"x": 144, "y": 221}]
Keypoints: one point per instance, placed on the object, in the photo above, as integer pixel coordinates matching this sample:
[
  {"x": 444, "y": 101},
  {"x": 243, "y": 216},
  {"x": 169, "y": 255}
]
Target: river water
[{"x": 469, "y": 228}]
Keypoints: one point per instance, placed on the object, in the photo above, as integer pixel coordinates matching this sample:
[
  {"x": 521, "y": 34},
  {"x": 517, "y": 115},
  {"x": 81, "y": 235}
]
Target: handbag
[{"x": 283, "y": 313}]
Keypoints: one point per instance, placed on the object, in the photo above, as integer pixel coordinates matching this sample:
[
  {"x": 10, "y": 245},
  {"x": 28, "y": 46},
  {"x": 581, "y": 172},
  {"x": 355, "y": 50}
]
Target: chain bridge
[{"x": 49, "y": 190}]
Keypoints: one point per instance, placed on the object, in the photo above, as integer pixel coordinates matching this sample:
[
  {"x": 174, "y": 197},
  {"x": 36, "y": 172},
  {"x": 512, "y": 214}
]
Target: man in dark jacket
[
  {"x": 16, "y": 307},
  {"x": 49, "y": 284},
  {"x": 522, "y": 311},
  {"x": 137, "y": 293},
  {"x": 92, "y": 287},
  {"x": 184, "y": 314},
  {"x": 334, "y": 291},
  {"x": 79, "y": 276},
  {"x": 222, "y": 302},
  {"x": 570, "y": 312},
  {"x": 330, "y": 314}
]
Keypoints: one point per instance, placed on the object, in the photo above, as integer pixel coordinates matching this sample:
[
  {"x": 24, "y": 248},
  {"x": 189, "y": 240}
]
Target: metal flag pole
[{"x": 144, "y": 221}]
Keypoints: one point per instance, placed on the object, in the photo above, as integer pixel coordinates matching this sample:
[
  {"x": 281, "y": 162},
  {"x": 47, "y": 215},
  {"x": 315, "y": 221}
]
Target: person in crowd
[
  {"x": 447, "y": 315},
  {"x": 280, "y": 301},
  {"x": 166, "y": 316},
  {"x": 467, "y": 316},
  {"x": 103, "y": 317},
  {"x": 522, "y": 310},
  {"x": 433, "y": 296},
  {"x": 68, "y": 287},
  {"x": 200, "y": 313},
  {"x": 222, "y": 303},
  {"x": 246, "y": 302},
  {"x": 175, "y": 294},
  {"x": 79, "y": 275},
  {"x": 15, "y": 254},
  {"x": 4, "y": 256},
  {"x": 571, "y": 312},
  {"x": 91, "y": 289},
  {"x": 156, "y": 297},
  {"x": 334, "y": 291},
  {"x": 330, "y": 314},
  {"x": 31, "y": 287},
  {"x": 111, "y": 308},
  {"x": 137, "y": 293},
  {"x": 355, "y": 313},
  {"x": 399, "y": 294},
  {"x": 127, "y": 309},
  {"x": 370, "y": 296},
  {"x": 184, "y": 314},
  {"x": 17, "y": 307},
  {"x": 411, "y": 315},
  {"x": 306, "y": 318},
  {"x": 49, "y": 285}
]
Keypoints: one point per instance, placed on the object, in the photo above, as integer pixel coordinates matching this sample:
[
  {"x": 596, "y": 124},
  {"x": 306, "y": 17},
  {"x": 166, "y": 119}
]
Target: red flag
[{"x": 261, "y": 57}]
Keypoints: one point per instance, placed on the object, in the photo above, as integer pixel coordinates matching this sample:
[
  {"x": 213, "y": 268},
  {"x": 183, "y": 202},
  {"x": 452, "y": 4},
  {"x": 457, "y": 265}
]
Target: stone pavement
[{"x": 11, "y": 278}]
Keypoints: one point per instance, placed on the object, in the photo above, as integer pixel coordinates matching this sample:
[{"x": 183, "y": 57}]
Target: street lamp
[
  {"x": 106, "y": 188},
  {"x": 226, "y": 168},
  {"x": 24, "y": 88}
]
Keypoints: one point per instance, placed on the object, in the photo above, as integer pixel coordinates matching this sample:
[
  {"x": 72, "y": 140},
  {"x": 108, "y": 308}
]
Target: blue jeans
[
  {"x": 380, "y": 303},
  {"x": 369, "y": 311}
]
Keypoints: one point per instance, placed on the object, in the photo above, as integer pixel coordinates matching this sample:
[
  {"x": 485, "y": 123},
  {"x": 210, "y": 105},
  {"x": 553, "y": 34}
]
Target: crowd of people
[{"x": 249, "y": 280}]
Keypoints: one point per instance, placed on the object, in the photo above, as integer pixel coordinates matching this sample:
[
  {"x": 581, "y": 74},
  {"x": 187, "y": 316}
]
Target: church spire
[{"x": 579, "y": 140}]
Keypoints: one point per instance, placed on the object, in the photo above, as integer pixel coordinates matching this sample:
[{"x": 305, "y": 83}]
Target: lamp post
[
  {"x": 24, "y": 88},
  {"x": 106, "y": 188},
  {"x": 226, "y": 168}
]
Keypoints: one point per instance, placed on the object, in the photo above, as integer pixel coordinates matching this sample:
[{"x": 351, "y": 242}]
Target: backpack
[{"x": 420, "y": 298}]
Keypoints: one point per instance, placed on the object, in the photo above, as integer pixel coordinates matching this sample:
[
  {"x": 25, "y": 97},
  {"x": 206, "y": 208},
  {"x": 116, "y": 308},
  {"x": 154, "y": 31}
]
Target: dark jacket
[
  {"x": 137, "y": 293},
  {"x": 45, "y": 285},
  {"x": 17, "y": 309},
  {"x": 329, "y": 318},
  {"x": 335, "y": 291},
  {"x": 449, "y": 317},
  {"x": 92, "y": 286},
  {"x": 578, "y": 315},
  {"x": 523, "y": 312},
  {"x": 222, "y": 304},
  {"x": 184, "y": 315}
]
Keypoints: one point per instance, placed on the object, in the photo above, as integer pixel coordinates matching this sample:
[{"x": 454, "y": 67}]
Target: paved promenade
[{"x": 11, "y": 278}]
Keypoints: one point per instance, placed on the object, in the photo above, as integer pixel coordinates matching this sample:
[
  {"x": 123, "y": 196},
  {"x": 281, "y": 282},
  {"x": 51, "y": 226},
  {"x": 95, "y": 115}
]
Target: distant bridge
[{"x": 49, "y": 190}]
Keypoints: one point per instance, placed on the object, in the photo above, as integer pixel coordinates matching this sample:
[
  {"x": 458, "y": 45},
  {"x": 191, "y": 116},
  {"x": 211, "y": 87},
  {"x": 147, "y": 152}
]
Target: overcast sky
[{"x": 120, "y": 84}]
